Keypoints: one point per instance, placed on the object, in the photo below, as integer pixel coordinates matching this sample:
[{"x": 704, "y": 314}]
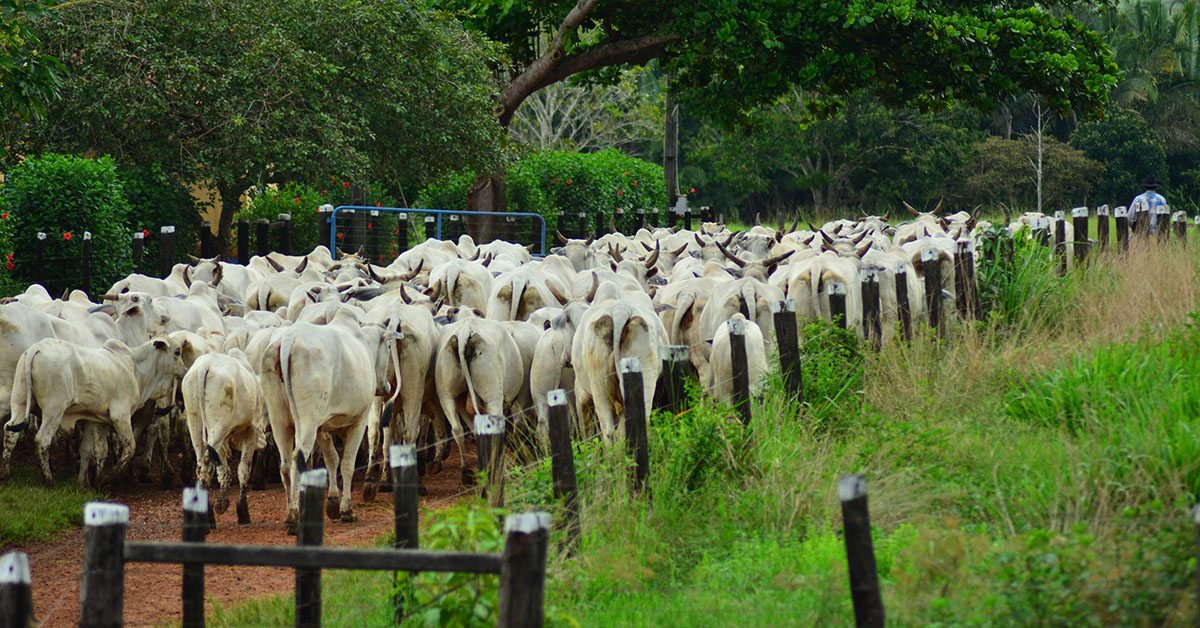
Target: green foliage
[
  {"x": 1022, "y": 290},
  {"x": 31, "y": 512},
  {"x": 696, "y": 445},
  {"x": 157, "y": 199},
  {"x": 29, "y": 78},
  {"x": 64, "y": 196},
  {"x": 1128, "y": 149},
  {"x": 301, "y": 201},
  {"x": 551, "y": 182},
  {"x": 832, "y": 361}
]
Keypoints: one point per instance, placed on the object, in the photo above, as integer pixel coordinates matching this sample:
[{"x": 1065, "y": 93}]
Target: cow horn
[
  {"x": 588, "y": 242},
  {"x": 795, "y": 224},
  {"x": 938, "y": 209},
  {"x": 404, "y": 295},
  {"x": 733, "y": 258},
  {"x": 731, "y": 237},
  {"x": 553, "y": 288},
  {"x": 218, "y": 275},
  {"x": 372, "y": 275},
  {"x": 812, "y": 228},
  {"x": 187, "y": 276},
  {"x": 109, "y": 297},
  {"x": 195, "y": 260},
  {"x": 912, "y": 210},
  {"x": 825, "y": 236},
  {"x": 778, "y": 236},
  {"x": 302, "y": 265},
  {"x": 859, "y": 237},
  {"x": 887, "y": 215},
  {"x": 274, "y": 264},
  {"x": 679, "y": 251},
  {"x": 561, "y": 238},
  {"x": 416, "y": 271},
  {"x": 699, "y": 240},
  {"x": 487, "y": 259},
  {"x": 361, "y": 249},
  {"x": 615, "y": 253},
  {"x": 653, "y": 259},
  {"x": 340, "y": 252},
  {"x": 774, "y": 260},
  {"x": 757, "y": 218},
  {"x": 862, "y": 250},
  {"x": 612, "y": 224},
  {"x": 66, "y": 294},
  {"x": 435, "y": 291},
  {"x": 475, "y": 256},
  {"x": 591, "y": 294}
]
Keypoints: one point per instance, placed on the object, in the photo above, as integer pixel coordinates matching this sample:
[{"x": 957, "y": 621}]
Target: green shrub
[
  {"x": 832, "y": 362},
  {"x": 156, "y": 199},
  {"x": 552, "y": 182},
  {"x": 64, "y": 196},
  {"x": 303, "y": 203}
]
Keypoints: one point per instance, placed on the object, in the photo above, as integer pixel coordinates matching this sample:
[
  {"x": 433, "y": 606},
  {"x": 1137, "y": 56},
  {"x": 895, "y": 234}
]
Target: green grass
[{"x": 31, "y": 512}]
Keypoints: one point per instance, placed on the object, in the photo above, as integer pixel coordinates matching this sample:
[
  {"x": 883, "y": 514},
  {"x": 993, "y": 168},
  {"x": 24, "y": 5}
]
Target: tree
[
  {"x": 242, "y": 94},
  {"x": 1003, "y": 172},
  {"x": 29, "y": 78},
  {"x": 1129, "y": 150}
]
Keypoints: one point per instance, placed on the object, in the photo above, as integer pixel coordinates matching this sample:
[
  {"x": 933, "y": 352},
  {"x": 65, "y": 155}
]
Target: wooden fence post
[
  {"x": 741, "y": 370},
  {"x": 1179, "y": 222},
  {"x": 405, "y": 506},
  {"x": 139, "y": 249},
  {"x": 206, "y": 240},
  {"x": 373, "y": 229},
  {"x": 39, "y": 259},
  {"x": 166, "y": 250},
  {"x": 401, "y": 233},
  {"x": 788, "y": 341},
  {"x": 960, "y": 281},
  {"x": 1121, "y": 220},
  {"x": 16, "y": 591},
  {"x": 971, "y": 296},
  {"x": 243, "y": 241},
  {"x": 1079, "y": 220},
  {"x": 671, "y": 392},
  {"x": 489, "y": 441},
  {"x": 653, "y": 217},
  {"x": 523, "y": 570},
  {"x": 903, "y": 308},
  {"x": 1060, "y": 244},
  {"x": 262, "y": 239},
  {"x": 195, "y": 528},
  {"x": 310, "y": 531},
  {"x": 931, "y": 266},
  {"x": 285, "y": 234},
  {"x": 687, "y": 218},
  {"x": 636, "y": 441},
  {"x": 860, "y": 552},
  {"x": 837, "y": 304},
  {"x": 872, "y": 323},
  {"x": 102, "y": 593},
  {"x": 641, "y": 219},
  {"x": 562, "y": 466},
  {"x": 1102, "y": 231},
  {"x": 87, "y": 263},
  {"x": 1163, "y": 222}
]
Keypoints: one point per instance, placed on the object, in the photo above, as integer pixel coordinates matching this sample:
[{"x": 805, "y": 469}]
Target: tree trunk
[
  {"x": 487, "y": 194},
  {"x": 231, "y": 203}
]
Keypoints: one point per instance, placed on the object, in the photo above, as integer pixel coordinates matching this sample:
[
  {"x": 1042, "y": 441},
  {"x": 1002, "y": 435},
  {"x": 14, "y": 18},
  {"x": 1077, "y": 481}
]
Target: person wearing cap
[{"x": 1149, "y": 200}]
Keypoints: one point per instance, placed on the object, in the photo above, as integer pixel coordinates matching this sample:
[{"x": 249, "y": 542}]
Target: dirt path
[{"x": 152, "y": 590}]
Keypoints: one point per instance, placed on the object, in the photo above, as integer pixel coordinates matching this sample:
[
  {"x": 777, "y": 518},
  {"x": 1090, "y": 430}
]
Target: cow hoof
[
  {"x": 434, "y": 468},
  {"x": 348, "y": 517},
  {"x": 369, "y": 491},
  {"x": 333, "y": 508},
  {"x": 222, "y": 505},
  {"x": 468, "y": 476}
]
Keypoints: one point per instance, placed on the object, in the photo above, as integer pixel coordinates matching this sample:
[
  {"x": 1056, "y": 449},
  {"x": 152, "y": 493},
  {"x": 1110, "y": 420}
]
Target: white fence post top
[
  {"x": 315, "y": 477},
  {"x": 674, "y": 353},
  {"x": 14, "y": 568},
  {"x": 1102, "y": 210},
  {"x": 928, "y": 255},
  {"x": 195, "y": 499},
  {"x": 1079, "y": 212},
  {"x": 402, "y": 455},
  {"x": 168, "y": 229},
  {"x": 527, "y": 522},
  {"x": 1121, "y": 212},
  {"x": 41, "y": 235},
  {"x": 556, "y": 397},
  {"x": 851, "y": 487},
  {"x": 631, "y": 365},
  {"x": 489, "y": 424},
  {"x": 837, "y": 288},
  {"x": 104, "y": 513},
  {"x": 786, "y": 305}
]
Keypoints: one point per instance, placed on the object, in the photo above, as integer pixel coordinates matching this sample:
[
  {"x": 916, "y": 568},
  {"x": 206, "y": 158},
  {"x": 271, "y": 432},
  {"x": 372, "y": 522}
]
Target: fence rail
[{"x": 376, "y": 229}]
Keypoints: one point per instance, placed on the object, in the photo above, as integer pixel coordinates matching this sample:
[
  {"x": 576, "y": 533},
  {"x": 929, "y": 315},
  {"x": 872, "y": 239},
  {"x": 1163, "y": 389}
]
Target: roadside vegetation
[{"x": 31, "y": 512}]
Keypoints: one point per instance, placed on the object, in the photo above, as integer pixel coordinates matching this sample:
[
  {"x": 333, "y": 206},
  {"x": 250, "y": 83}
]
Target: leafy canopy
[{"x": 730, "y": 55}]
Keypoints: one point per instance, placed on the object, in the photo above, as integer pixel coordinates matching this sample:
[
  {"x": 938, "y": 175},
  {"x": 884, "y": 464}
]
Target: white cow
[{"x": 720, "y": 379}]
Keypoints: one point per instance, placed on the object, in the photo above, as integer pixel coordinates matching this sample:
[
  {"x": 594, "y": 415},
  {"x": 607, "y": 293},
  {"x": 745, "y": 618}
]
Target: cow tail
[
  {"x": 285, "y": 368},
  {"x": 620, "y": 318},
  {"x": 750, "y": 297},
  {"x": 687, "y": 300},
  {"x": 514, "y": 305},
  {"x": 464, "y": 336},
  {"x": 28, "y": 392},
  {"x": 451, "y": 279}
]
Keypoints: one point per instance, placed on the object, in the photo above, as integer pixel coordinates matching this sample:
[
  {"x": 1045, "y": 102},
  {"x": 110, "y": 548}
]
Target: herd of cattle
[{"x": 299, "y": 349}]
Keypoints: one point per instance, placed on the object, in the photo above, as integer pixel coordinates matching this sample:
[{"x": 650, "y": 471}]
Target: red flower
[
  {"x": 341, "y": 236},
  {"x": 9, "y": 265},
  {"x": 393, "y": 251},
  {"x": 626, "y": 172},
  {"x": 297, "y": 199},
  {"x": 322, "y": 192},
  {"x": 10, "y": 255},
  {"x": 276, "y": 198},
  {"x": 396, "y": 232},
  {"x": 568, "y": 182},
  {"x": 368, "y": 225},
  {"x": 67, "y": 235},
  {"x": 345, "y": 184},
  {"x": 333, "y": 178},
  {"x": 381, "y": 257},
  {"x": 379, "y": 204},
  {"x": 4, "y": 216},
  {"x": 692, "y": 191},
  {"x": 620, "y": 192},
  {"x": 145, "y": 233},
  {"x": 554, "y": 180},
  {"x": 635, "y": 182}
]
